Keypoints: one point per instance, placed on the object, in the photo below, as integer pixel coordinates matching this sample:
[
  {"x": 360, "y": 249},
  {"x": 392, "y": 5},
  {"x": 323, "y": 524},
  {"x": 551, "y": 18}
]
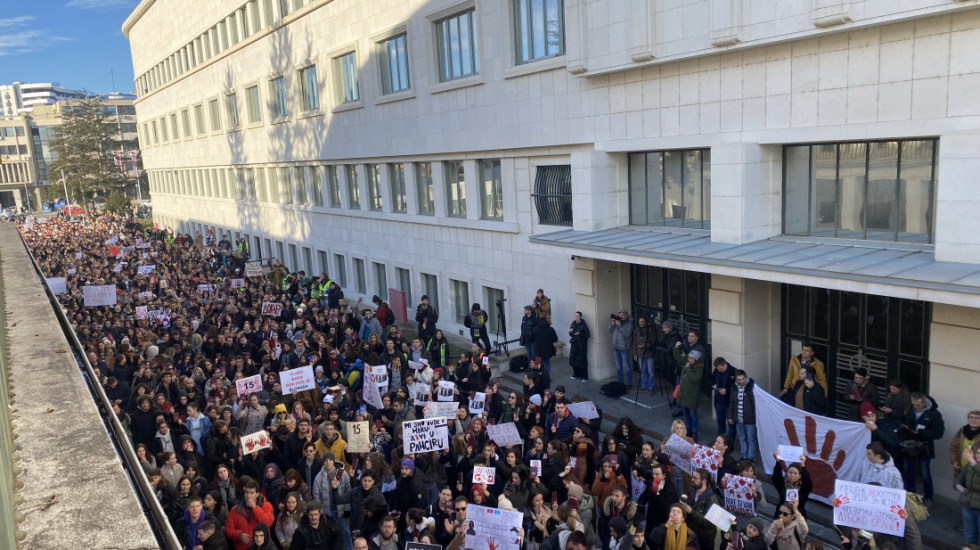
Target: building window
[
  {"x": 341, "y": 263},
  {"x": 333, "y": 182},
  {"x": 879, "y": 190},
  {"x": 374, "y": 186},
  {"x": 274, "y": 185},
  {"x": 393, "y": 53},
  {"x": 381, "y": 279},
  {"x": 277, "y": 97},
  {"x": 309, "y": 88},
  {"x": 316, "y": 187},
  {"x": 345, "y": 75},
  {"x": 173, "y": 127},
  {"x": 404, "y": 278},
  {"x": 199, "y": 120},
  {"x": 156, "y": 136},
  {"x": 360, "y": 277},
  {"x": 163, "y": 129},
  {"x": 456, "y": 46},
  {"x": 299, "y": 177},
  {"x": 671, "y": 188},
  {"x": 286, "y": 185},
  {"x": 260, "y": 184},
  {"x": 493, "y": 296},
  {"x": 215, "y": 113},
  {"x": 253, "y": 105},
  {"x": 430, "y": 287},
  {"x": 396, "y": 177},
  {"x": 539, "y": 29},
  {"x": 459, "y": 295},
  {"x": 491, "y": 194},
  {"x": 553, "y": 194},
  {"x": 353, "y": 189},
  {"x": 424, "y": 190},
  {"x": 455, "y": 188},
  {"x": 231, "y": 105},
  {"x": 321, "y": 258},
  {"x": 185, "y": 122}
]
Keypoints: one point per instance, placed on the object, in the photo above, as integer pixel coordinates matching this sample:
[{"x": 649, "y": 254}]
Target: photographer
[
  {"x": 621, "y": 329},
  {"x": 476, "y": 321}
]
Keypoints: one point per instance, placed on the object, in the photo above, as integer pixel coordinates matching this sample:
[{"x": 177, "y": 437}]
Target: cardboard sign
[
  {"x": 255, "y": 442},
  {"x": 207, "y": 288},
  {"x": 145, "y": 296},
  {"x": 101, "y": 295},
  {"x": 446, "y": 391},
  {"x": 442, "y": 409},
  {"x": 146, "y": 269},
  {"x": 143, "y": 245},
  {"x": 253, "y": 269},
  {"x": 372, "y": 392},
  {"x": 484, "y": 474},
  {"x": 478, "y": 402},
  {"x": 679, "y": 450},
  {"x": 585, "y": 409},
  {"x": 422, "y": 436},
  {"x": 421, "y": 392},
  {"x": 535, "y": 468},
  {"x": 420, "y": 546},
  {"x": 272, "y": 309},
  {"x": 789, "y": 454},
  {"x": 492, "y": 528},
  {"x": 112, "y": 240},
  {"x": 358, "y": 437},
  {"x": 252, "y": 384},
  {"x": 415, "y": 365},
  {"x": 739, "y": 495},
  {"x": 296, "y": 380},
  {"x": 142, "y": 312},
  {"x": 721, "y": 518},
  {"x": 380, "y": 377},
  {"x": 707, "y": 458},
  {"x": 877, "y": 509},
  {"x": 58, "y": 285},
  {"x": 238, "y": 283},
  {"x": 505, "y": 434},
  {"x": 118, "y": 267}
]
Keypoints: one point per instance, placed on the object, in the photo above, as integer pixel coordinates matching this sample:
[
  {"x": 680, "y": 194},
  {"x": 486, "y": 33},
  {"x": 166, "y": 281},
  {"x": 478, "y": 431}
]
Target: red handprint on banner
[
  {"x": 898, "y": 510},
  {"x": 840, "y": 501},
  {"x": 822, "y": 472},
  {"x": 490, "y": 544}
]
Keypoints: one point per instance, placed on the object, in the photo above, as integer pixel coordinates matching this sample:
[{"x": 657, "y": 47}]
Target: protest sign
[
  {"x": 585, "y": 409},
  {"x": 789, "y": 454},
  {"x": 792, "y": 494},
  {"x": 707, "y": 458},
  {"x": 484, "y": 474},
  {"x": 118, "y": 267},
  {"x": 421, "y": 546},
  {"x": 272, "y": 309},
  {"x": 255, "y": 442},
  {"x": 58, "y": 285},
  {"x": 721, "y": 518},
  {"x": 380, "y": 374},
  {"x": 209, "y": 288},
  {"x": 422, "y": 436},
  {"x": 415, "y": 365},
  {"x": 421, "y": 391},
  {"x": 477, "y": 402},
  {"x": 372, "y": 393},
  {"x": 442, "y": 409},
  {"x": 253, "y": 269},
  {"x": 636, "y": 487},
  {"x": 142, "y": 312},
  {"x": 679, "y": 450},
  {"x": 492, "y": 528},
  {"x": 100, "y": 295},
  {"x": 446, "y": 391},
  {"x": 739, "y": 494},
  {"x": 252, "y": 384},
  {"x": 505, "y": 434},
  {"x": 143, "y": 245},
  {"x": 238, "y": 283},
  {"x": 146, "y": 296},
  {"x": 146, "y": 269},
  {"x": 875, "y": 508},
  {"x": 78, "y": 255},
  {"x": 155, "y": 315},
  {"x": 358, "y": 437},
  {"x": 112, "y": 240},
  {"x": 535, "y": 468},
  {"x": 296, "y": 380},
  {"x": 115, "y": 251}
]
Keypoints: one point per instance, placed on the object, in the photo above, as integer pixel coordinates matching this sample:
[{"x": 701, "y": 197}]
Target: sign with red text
[
  {"x": 272, "y": 309},
  {"x": 871, "y": 507},
  {"x": 252, "y": 384}
]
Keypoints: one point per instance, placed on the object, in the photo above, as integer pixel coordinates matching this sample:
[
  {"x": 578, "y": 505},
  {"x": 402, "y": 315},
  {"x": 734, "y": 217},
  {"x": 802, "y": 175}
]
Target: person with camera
[
  {"x": 922, "y": 426},
  {"x": 542, "y": 306},
  {"x": 476, "y": 321},
  {"x": 621, "y": 330}
]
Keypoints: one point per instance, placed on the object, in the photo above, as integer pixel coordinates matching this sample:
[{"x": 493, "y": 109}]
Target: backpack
[
  {"x": 915, "y": 506},
  {"x": 519, "y": 363},
  {"x": 389, "y": 316},
  {"x": 613, "y": 389}
]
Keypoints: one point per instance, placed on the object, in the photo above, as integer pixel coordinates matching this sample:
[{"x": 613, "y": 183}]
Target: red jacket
[{"x": 239, "y": 523}]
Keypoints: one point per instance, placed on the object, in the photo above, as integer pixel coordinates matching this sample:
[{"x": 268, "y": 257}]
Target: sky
[{"x": 76, "y": 43}]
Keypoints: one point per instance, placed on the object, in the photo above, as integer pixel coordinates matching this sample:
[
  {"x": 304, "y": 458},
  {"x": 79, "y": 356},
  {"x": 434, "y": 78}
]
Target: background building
[{"x": 763, "y": 172}]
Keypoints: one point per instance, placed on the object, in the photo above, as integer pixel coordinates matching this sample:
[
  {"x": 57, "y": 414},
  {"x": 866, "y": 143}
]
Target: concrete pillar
[
  {"x": 957, "y": 225},
  {"x": 746, "y": 192},
  {"x": 600, "y": 190},
  {"x": 601, "y": 288},
  {"x": 745, "y": 326}
]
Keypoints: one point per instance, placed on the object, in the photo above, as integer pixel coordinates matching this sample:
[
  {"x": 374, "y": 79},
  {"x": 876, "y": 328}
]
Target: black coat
[
  {"x": 748, "y": 407},
  {"x": 544, "y": 340},
  {"x": 327, "y": 537},
  {"x": 932, "y": 426},
  {"x": 578, "y": 352}
]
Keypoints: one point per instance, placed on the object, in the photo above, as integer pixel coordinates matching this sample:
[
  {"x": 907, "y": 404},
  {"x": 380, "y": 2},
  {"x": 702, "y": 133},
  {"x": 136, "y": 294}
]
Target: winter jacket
[
  {"x": 326, "y": 537},
  {"x": 644, "y": 341},
  {"x": 622, "y": 335},
  {"x": 242, "y": 520},
  {"x": 429, "y": 316},
  {"x": 566, "y": 426},
  {"x": 577, "y": 353},
  {"x": 324, "y": 493},
  {"x": 885, "y": 474},
  {"x": 690, "y": 396},
  {"x": 748, "y": 406},
  {"x": 337, "y": 446},
  {"x": 544, "y": 340},
  {"x": 969, "y": 478},
  {"x": 793, "y": 372},
  {"x": 926, "y": 426},
  {"x": 528, "y": 323}
]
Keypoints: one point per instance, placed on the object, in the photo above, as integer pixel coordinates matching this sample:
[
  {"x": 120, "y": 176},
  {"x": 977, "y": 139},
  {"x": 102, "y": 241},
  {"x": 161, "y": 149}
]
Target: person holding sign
[
  {"x": 796, "y": 481},
  {"x": 789, "y": 528}
]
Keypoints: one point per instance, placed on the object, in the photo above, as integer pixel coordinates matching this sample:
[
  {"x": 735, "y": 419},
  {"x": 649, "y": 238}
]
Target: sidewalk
[{"x": 654, "y": 416}]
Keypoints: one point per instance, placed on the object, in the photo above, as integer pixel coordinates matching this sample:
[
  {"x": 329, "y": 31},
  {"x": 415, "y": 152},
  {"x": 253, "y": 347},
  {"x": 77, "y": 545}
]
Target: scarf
[
  {"x": 676, "y": 539},
  {"x": 970, "y": 433}
]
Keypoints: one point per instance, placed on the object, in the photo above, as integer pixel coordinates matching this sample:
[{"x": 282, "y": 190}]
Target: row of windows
[
  {"x": 305, "y": 185},
  {"x": 10, "y": 150},
  {"x": 11, "y": 131},
  {"x": 538, "y": 34}
]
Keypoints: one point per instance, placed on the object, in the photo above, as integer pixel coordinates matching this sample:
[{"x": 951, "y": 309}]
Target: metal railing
[{"x": 157, "y": 518}]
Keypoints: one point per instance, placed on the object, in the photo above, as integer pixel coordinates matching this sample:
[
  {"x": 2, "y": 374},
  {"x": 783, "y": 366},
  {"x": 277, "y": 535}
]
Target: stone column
[
  {"x": 601, "y": 288},
  {"x": 745, "y": 326}
]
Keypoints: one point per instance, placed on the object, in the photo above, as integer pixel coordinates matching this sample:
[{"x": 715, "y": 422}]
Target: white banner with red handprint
[
  {"x": 707, "y": 458},
  {"x": 255, "y": 442},
  {"x": 679, "y": 450},
  {"x": 834, "y": 449},
  {"x": 493, "y": 528},
  {"x": 739, "y": 494},
  {"x": 871, "y": 507}
]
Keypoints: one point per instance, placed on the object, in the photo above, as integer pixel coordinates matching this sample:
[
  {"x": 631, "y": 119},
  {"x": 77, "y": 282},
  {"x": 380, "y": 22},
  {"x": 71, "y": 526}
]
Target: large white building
[
  {"x": 765, "y": 171},
  {"x": 21, "y": 97}
]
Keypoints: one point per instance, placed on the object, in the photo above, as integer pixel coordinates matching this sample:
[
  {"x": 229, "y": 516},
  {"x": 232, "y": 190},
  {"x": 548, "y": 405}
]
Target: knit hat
[
  {"x": 408, "y": 463},
  {"x": 576, "y": 492},
  {"x": 280, "y": 408},
  {"x": 866, "y": 409},
  {"x": 695, "y": 354},
  {"x": 535, "y": 400},
  {"x": 152, "y": 352},
  {"x": 504, "y": 504},
  {"x": 669, "y": 325},
  {"x": 618, "y": 524},
  {"x": 758, "y": 524}
]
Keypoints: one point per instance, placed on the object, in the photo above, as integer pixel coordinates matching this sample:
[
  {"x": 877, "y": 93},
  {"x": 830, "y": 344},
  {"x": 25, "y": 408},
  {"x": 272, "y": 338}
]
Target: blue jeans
[
  {"x": 721, "y": 415},
  {"x": 971, "y": 525},
  {"x": 529, "y": 348},
  {"x": 920, "y": 464},
  {"x": 647, "y": 378},
  {"x": 624, "y": 366},
  {"x": 344, "y": 527},
  {"x": 748, "y": 440},
  {"x": 546, "y": 364},
  {"x": 691, "y": 419}
]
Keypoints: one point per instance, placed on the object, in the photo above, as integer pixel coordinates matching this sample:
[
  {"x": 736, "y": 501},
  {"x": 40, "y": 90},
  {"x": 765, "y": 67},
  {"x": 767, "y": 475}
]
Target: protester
[{"x": 578, "y": 357}]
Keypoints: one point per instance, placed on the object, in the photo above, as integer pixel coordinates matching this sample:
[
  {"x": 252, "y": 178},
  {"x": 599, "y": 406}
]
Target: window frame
[
  {"x": 231, "y": 111},
  {"x": 253, "y": 104},
  {"x": 347, "y": 87},
  {"x": 424, "y": 190},
  {"x": 439, "y": 41},
  {"x": 309, "y": 94},
  {"x": 492, "y": 209},
  {"x": 396, "y": 184},
  {"x": 375, "y": 197},
  {"x": 521, "y": 34},
  {"x": 278, "y": 98},
  {"x": 703, "y": 192},
  {"x": 454, "y": 172},
  {"x": 387, "y": 70},
  {"x": 555, "y": 202}
]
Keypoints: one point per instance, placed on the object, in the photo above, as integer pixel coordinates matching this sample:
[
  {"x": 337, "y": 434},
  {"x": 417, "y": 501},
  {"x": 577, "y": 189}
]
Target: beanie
[{"x": 408, "y": 463}]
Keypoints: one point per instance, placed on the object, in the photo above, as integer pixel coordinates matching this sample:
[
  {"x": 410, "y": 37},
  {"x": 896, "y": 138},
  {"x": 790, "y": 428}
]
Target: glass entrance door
[{"x": 681, "y": 296}]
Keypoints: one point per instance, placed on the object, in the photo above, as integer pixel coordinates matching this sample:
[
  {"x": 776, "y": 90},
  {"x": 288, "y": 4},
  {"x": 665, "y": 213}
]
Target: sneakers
[{"x": 572, "y": 378}]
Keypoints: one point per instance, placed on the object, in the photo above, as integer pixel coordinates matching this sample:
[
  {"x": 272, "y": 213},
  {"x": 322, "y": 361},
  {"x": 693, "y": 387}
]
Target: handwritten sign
[
  {"x": 146, "y": 269},
  {"x": 484, "y": 474},
  {"x": 379, "y": 374},
  {"x": 585, "y": 409},
  {"x": 272, "y": 309},
  {"x": 707, "y": 458},
  {"x": 421, "y": 392},
  {"x": 636, "y": 487},
  {"x": 238, "y": 283},
  {"x": 441, "y": 409},
  {"x": 720, "y": 517},
  {"x": 142, "y": 312},
  {"x": 252, "y": 384},
  {"x": 209, "y": 289},
  {"x": 877, "y": 509},
  {"x": 477, "y": 402},
  {"x": 296, "y": 380},
  {"x": 422, "y": 436},
  {"x": 492, "y": 528},
  {"x": 789, "y": 454},
  {"x": 372, "y": 392},
  {"x": 679, "y": 450},
  {"x": 253, "y": 269},
  {"x": 99, "y": 295},
  {"x": 739, "y": 494},
  {"x": 358, "y": 437},
  {"x": 255, "y": 442},
  {"x": 112, "y": 240},
  {"x": 58, "y": 285},
  {"x": 504, "y": 435},
  {"x": 446, "y": 391},
  {"x": 145, "y": 296}
]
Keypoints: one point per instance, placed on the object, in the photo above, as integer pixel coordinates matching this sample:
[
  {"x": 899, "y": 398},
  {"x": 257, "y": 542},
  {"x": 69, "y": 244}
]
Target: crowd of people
[{"x": 181, "y": 333}]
